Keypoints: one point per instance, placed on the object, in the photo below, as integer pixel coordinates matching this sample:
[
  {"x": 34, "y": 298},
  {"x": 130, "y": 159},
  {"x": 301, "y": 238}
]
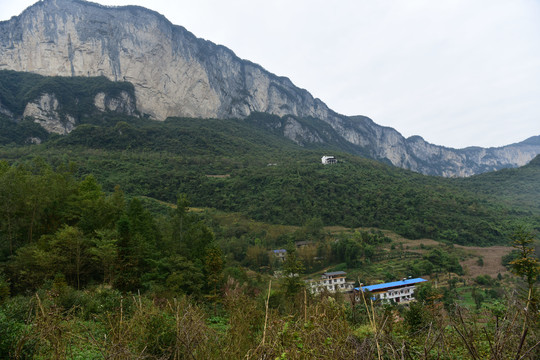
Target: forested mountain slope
[
  {"x": 517, "y": 187},
  {"x": 243, "y": 166}
]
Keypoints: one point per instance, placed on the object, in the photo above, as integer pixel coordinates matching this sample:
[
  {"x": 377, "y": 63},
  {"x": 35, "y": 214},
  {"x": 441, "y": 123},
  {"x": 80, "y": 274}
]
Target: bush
[
  {"x": 484, "y": 280},
  {"x": 11, "y": 330},
  {"x": 416, "y": 317},
  {"x": 4, "y": 289}
]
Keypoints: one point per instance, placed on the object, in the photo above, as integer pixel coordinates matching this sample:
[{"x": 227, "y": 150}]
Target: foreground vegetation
[
  {"x": 86, "y": 275},
  {"x": 101, "y": 323}
]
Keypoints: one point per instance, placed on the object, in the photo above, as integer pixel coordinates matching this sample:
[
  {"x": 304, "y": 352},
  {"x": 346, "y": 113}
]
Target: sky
[{"x": 456, "y": 72}]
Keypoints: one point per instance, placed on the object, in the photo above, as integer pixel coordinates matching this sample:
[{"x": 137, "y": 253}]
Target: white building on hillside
[
  {"x": 329, "y": 160},
  {"x": 331, "y": 281},
  {"x": 397, "y": 291}
]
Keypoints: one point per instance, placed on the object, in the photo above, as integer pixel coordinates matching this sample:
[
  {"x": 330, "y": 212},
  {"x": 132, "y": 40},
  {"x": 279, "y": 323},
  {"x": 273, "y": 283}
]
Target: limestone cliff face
[
  {"x": 123, "y": 103},
  {"x": 176, "y": 74},
  {"x": 438, "y": 160},
  {"x": 45, "y": 112},
  {"x": 298, "y": 133}
]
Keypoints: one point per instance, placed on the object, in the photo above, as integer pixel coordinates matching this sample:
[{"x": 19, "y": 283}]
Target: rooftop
[
  {"x": 392, "y": 284},
  {"x": 335, "y": 273}
]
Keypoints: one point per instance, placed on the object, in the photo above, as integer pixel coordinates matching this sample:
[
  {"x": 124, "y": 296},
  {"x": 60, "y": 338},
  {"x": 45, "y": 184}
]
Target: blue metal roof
[{"x": 391, "y": 284}]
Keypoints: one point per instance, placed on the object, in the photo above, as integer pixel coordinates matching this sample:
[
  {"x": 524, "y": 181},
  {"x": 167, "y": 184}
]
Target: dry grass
[{"x": 492, "y": 260}]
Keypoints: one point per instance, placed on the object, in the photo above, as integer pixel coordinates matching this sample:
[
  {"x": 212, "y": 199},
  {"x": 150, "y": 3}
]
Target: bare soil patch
[{"x": 491, "y": 257}]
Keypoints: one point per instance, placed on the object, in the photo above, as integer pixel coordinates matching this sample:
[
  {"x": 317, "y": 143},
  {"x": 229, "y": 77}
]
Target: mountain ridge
[{"x": 174, "y": 73}]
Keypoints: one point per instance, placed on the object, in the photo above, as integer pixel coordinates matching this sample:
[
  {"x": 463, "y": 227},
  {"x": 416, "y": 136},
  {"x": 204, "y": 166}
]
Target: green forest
[
  {"x": 135, "y": 239},
  {"x": 234, "y": 166},
  {"x": 90, "y": 275}
]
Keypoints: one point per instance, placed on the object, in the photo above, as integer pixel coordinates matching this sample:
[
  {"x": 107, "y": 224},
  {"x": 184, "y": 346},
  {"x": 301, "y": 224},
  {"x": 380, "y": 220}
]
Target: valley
[
  {"x": 161, "y": 198},
  {"x": 110, "y": 187}
]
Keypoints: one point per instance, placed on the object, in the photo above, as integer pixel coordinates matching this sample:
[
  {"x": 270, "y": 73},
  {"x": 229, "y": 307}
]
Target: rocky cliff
[
  {"x": 176, "y": 74},
  {"x": 45, "y": 112},
  {"x": 59, "y": 104}
]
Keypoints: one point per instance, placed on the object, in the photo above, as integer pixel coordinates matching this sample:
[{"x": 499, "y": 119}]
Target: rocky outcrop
[
  {"x": 176, "y": 74},
  {"x": 58, "y": 104},
  {"x": 293, "y": 130},
  {"x": 45, "y": 112},
  {"x": 438, "y": 160},
  {"x": 123, "y": 103}
]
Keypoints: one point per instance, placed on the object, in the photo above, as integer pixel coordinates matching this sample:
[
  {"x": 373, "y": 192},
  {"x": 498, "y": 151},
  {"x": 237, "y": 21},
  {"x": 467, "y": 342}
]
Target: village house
[
  {"x": 331, "y": 282},
  {"x": 398, "y": 291},
  {"x": 280, "y": 254},
  {"x": 328, "y": 160},
  {"x": 303, "y": 243}
]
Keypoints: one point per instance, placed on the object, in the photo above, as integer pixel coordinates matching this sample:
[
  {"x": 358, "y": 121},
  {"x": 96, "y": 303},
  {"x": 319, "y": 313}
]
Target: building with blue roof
[
  {"x": 398, "y": 291},
  {"x": 280, "y": 254}
]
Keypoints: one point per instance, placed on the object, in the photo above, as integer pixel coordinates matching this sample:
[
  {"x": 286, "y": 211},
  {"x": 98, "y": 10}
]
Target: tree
[
  {"x": 180, "y": 220},
  {"x": 185, "y": 277},
  {"x": 4, "y": 288},
  {"x": 312, "y": 230},
  {"x": 105, "y": 251},
  {"x": 12, "y": 205},
  {"x": 213, "y": 266},
  {"x": 70, "y": 248},
  {"x": 416, "y": 317},
  {"x": 257, "y": 257},
  {"x": 292, "y": 268},
  {"x": 527, "y": 267},
  {"x": 137, "y": 239}
]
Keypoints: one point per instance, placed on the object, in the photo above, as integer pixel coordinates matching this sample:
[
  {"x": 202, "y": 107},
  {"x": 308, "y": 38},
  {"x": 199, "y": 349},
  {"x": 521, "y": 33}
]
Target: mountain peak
[
  {"x": 174, "y": 73},
  {"x": 533, "y": 140}
]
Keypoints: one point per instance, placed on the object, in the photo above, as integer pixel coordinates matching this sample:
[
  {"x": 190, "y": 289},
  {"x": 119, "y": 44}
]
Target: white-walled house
[
  {"x": 331, "y": 281},
  {"x": 398, "y": 291},
  {"x": 328, "y": 160}
]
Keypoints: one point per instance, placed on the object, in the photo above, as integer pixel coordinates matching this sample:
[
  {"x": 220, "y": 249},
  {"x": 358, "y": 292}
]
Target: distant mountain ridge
[{"x": 175, "y": 73}]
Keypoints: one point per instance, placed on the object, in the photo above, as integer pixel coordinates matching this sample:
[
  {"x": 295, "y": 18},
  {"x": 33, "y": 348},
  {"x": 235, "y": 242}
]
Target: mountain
[
  {"x": 175, "y": 73},
  {"x": 265, "y": 166},
  {"x": 516, "y": 187},
  {"x": 235, "y": 165}
]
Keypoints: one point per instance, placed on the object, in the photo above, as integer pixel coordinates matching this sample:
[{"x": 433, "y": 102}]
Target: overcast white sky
[{"x": 456, "y": 72}]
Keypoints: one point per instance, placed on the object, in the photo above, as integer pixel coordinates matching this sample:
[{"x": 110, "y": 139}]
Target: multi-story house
[
  {"x": 331, "y": 281},
  {"x": 398, "y": 291},
  {"x": 328, "y": 160}
]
